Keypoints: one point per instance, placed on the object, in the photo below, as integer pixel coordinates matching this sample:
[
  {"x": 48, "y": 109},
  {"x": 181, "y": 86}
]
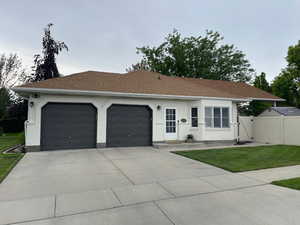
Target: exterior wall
[
  {"x": 268, "y": 112},
  {"x": 211, "y": 134},
  {"x": 183, "y": 108}
]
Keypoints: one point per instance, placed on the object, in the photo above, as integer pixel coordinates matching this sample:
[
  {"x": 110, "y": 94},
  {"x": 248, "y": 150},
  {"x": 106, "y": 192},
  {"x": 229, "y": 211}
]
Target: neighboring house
[
  {"x": 281, "y": 111},
  {"x": 98, "y": 109}
]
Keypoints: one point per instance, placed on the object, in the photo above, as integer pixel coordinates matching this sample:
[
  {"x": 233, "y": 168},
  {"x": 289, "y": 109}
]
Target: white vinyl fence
[
  {"x": 273, "y": 130},
  {"x": 246, "y": 128}
]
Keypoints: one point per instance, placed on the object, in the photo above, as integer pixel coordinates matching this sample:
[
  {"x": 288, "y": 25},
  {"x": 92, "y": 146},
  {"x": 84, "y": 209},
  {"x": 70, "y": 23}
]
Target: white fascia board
[
  {"x": 119, "y": 94},
  {"x": 268, "y": 99}
]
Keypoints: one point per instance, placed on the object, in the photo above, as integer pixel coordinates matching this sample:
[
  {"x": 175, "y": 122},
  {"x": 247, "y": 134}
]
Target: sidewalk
[{"x": 273, "y": 174}]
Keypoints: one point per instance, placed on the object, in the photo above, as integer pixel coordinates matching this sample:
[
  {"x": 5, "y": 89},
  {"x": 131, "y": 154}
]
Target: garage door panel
[
  {"x": 129, "y": 125},
  {"x": 68, "y": 126}
]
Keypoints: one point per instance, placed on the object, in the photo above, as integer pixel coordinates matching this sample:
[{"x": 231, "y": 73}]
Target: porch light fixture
[
  {"x": 158, "y": 107},
  {"x": 31, "y": 104}
]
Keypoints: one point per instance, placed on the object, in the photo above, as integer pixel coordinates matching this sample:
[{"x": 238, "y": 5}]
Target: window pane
[
  {"x": 225, "y": 117},
  {"x": 208, "y": 122},
  {"x": 194, "y": 122},
  {"x": 208, "y": 111},
  {"x": 194, "y": 112},
  {"x": 217, "y": 117},
  {"x": 194, "y": 117},
  {"x": 225, "y": 123},
  {"x": 208, "y": 117}
]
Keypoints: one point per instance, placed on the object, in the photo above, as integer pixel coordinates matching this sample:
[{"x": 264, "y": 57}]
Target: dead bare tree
[{"x": 11, "y": 71}]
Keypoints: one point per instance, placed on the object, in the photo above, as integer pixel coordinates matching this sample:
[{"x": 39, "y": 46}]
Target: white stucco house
[{"x": 99, "y": 109}]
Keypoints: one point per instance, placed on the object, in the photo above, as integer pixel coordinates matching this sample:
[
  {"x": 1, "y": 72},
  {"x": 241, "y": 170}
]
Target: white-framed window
[
  {"x": 217, "y": 117},
  {"x": 194, "y": 116}
]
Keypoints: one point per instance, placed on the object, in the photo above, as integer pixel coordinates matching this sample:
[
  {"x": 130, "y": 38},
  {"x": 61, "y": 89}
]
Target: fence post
[{"x": 282, "y": 133}]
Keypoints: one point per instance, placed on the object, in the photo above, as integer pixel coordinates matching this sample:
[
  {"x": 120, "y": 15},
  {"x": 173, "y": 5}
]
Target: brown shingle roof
[{"x": 144, "y": 82}]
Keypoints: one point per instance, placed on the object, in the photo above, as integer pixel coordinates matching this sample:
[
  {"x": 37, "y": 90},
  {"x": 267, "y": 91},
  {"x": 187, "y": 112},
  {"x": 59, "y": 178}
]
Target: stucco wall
[
  {"x": 219, "y": 133},
  {"x": 102, "y": 103}
]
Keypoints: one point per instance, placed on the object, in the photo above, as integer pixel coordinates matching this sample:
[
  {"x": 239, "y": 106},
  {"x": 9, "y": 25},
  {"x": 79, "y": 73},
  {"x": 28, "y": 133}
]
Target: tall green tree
[
  {"x": 5, "y": 102},
  {"x": 257, "y": 107},
  {"x": 261, "y": 82},
  {"x": 287, "y": 84},
  {"x": 198, "y": 57},
  {"x": 45, "y": 65}
]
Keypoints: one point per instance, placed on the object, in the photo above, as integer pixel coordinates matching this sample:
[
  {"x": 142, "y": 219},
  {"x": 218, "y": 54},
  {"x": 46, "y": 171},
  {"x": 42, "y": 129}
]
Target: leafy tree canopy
[
  {"x": 287, "y": 84},
  {"x": 261, "y": 82},
  {"x": 198, "y": 57},
  {"x": 11, "y": 71},
  {"x": 5, "y": 101},
  {"x": 45, "y": 65},
  {"x": 255, "y": 108}
]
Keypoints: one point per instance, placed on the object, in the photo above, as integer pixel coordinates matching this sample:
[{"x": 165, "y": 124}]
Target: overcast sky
[{"x": 103, "y": 35}]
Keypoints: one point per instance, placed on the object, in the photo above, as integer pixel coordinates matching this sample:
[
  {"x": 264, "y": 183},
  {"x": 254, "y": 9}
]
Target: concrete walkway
[
  {"x": 137, "y": 186},
  {"x": 193, "y": 146},
  {"x": 273, "y": 174}
]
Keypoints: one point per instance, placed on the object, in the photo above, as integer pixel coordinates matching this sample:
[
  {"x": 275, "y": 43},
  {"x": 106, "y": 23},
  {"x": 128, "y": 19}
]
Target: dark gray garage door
[
  {"x": 129, "y": 125},
  {"x": 68, "y": 126}
]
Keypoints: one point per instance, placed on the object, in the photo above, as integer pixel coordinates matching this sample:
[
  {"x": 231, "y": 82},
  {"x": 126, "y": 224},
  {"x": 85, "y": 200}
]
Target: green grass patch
[
  {"x": 11, "y": 139},
  {"x": 241, "y": 159},
  {"x": 293, "y": 183},
  {"x": 8, "y": 161}
]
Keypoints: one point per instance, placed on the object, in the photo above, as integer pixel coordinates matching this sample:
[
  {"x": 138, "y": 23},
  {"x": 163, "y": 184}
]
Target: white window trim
[{"x": 221, "y": 118}]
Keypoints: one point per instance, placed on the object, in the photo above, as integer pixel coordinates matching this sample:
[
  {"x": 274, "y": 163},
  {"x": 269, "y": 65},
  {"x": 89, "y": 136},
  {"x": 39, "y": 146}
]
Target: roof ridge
[
  {"x": 212, "y": 87},
  {"x": 187, "y": 79},
  {"x": 148, "y": 82}
]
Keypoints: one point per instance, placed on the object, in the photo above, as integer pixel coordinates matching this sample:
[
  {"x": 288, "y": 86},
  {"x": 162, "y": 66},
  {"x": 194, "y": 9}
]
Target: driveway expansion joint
[
  {"x": 113, "y": 163},
  {"x": 117, "y": 197},
  {"x": 164, "y": 213}
]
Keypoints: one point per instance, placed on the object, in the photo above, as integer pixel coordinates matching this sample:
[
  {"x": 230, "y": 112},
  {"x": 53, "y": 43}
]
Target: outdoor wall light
[
  {"x": 158, "y": 107},
  {"x": 183, "y": 120},
  {"x": 31, "y": 104}
]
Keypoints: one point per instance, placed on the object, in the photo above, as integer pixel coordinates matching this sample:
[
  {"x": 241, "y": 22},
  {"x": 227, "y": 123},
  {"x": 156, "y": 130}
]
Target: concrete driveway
[{"x": 137, "y": 186}]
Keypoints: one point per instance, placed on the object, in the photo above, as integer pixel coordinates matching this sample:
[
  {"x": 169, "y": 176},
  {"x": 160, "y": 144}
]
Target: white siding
[{"x": 102, "y": 103}]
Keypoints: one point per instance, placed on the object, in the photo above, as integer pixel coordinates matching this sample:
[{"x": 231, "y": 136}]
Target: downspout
[
  {"x": 238, "y": 128},
  {"x": 178, "y": 130}
]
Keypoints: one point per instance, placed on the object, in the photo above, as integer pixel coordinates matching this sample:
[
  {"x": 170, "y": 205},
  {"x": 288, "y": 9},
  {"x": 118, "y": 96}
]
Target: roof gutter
[
  {"x": 268, "y": 99},
  {"x": 122, "y": 94}
]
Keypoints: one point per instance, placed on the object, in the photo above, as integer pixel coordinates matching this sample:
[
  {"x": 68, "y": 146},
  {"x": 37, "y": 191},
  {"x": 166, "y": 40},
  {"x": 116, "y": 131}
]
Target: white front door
[{"x": 170, "y": 124}]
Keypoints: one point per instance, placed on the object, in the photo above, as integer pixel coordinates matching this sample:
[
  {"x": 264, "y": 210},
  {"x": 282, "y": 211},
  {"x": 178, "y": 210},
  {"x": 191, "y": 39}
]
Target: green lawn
[
  {"x": 293, "y": 183},
  {"x": 8, "y": 161},
  {"x": 10, "y": 139},
  {"x": 247, "y": 158}
]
